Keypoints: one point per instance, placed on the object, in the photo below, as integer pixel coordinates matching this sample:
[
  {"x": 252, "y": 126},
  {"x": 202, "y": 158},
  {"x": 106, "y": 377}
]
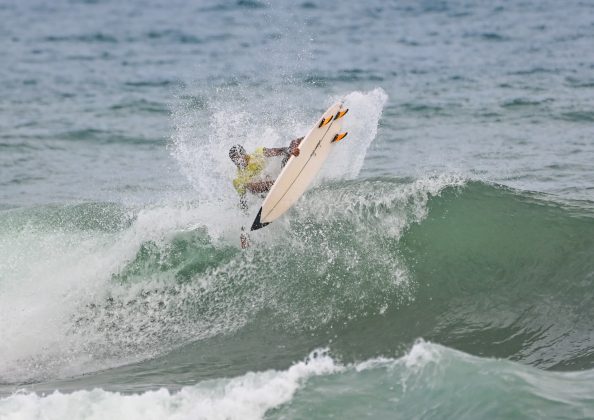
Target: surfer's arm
[
  {"x": 294, "y": 146},
  {"x": 276, "y": 151},
  {"x": 287, "y": 151}
]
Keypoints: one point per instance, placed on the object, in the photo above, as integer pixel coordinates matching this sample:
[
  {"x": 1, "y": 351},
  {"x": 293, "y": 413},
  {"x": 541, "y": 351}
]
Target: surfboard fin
[
  {"x": 325, "y": 121},
  {"x": 339, "y": 137},
  {"x": 257, "y": 222},
  {"x": 341, "y": 113}
]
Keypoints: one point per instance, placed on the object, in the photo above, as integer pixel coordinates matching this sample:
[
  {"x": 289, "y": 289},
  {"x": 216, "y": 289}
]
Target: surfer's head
[{"x": 238, "y": 155}]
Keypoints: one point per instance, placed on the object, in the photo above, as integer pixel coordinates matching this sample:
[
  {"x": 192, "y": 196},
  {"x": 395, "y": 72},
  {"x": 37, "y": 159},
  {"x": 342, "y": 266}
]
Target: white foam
[
  {"x": 361, "y": 123},
  {"x": 51, "y": 274},
  {"x": 407, "y": 203},
  {"x": 202, "y": 138},
  {"x": 246, "y": 397},
  {"x": 421, "y": 354},
  {"x": 50, "y": 277},
  {"x": 249, "y": 396}
]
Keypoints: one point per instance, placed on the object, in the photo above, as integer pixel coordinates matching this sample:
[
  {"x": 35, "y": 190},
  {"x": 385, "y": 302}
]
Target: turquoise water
[{"x": 440, "y": 267}]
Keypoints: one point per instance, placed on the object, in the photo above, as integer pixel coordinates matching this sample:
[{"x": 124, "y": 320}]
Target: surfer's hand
[{"x": 295, "y": 151}]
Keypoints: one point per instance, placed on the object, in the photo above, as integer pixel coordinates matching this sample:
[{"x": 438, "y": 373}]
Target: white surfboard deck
[{"x": 300, "y": 170}]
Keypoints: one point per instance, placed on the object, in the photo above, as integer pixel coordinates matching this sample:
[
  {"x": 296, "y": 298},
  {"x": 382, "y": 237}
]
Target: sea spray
[
  {"x": 361, "y": 123},
  {"x": 160, "y": 280},
  {"x": 246, "y": 397},
  {"x": 234, "y": 116}
]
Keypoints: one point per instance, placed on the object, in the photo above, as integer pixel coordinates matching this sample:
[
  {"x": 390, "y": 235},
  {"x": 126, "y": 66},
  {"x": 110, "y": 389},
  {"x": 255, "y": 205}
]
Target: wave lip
[
  {"x": 245, "y": 397},
  {"x": 473, "y": 266},
  {"x": 99, "y": 285},
  {"x": 430, "y": 381},
  {"x": 434, "y": 382}
]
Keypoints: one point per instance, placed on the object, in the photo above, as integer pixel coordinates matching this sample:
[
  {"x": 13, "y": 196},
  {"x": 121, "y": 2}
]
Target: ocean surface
[{"x": 442, "y": 266}]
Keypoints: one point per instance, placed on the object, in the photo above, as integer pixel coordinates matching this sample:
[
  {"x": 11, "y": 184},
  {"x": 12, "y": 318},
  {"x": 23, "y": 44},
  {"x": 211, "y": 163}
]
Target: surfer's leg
[
  {"x": 244, "y": 239},
  {"x": 243, "y": 205},
  {"x": 259, "y": 186}
]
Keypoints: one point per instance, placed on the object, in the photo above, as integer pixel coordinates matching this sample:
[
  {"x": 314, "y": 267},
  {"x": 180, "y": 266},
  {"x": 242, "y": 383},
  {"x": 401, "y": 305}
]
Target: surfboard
[{"x": 301, "y": 170}]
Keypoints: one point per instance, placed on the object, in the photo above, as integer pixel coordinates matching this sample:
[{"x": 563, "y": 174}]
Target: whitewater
[{"x": 439, "y": 267}]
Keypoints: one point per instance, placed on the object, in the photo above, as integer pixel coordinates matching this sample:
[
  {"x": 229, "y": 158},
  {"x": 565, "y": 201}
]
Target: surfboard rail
[{"x": 301, "y": 170}]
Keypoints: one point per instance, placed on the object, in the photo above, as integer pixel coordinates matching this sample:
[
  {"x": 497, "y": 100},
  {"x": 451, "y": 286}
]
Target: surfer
[
  {"x": 251, "y": 166},
  {"x": 249, "y": 169},
  {"x": 297, "y": 174}
]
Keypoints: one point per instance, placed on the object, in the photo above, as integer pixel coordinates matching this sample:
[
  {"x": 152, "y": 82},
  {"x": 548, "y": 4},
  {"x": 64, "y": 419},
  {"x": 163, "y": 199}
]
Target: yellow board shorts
[{"x": 255, "y": 166}]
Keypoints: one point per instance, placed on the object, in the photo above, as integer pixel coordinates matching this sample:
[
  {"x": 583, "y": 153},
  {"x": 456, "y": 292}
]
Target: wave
[
  {"x": 98, "y": 37},
  {"x": 506, "y": 273},
  {"x": 482, "y": 268},
  {"x": 429, "y": 381}
]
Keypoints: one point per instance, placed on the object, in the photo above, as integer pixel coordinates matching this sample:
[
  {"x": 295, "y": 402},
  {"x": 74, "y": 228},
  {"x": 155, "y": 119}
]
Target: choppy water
[{"x": 449, "y": 241}]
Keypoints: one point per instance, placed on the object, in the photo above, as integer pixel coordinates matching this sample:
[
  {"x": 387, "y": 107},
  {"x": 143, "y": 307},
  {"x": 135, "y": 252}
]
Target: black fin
[{"x": 257, "y": 223}]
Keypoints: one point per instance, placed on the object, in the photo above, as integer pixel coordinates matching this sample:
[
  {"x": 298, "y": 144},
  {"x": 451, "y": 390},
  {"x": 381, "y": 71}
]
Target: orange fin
[
  {"x": 339, "y": 137},
  {"x": 325, "y": 121},
  {"x": 341, "y": 113}
]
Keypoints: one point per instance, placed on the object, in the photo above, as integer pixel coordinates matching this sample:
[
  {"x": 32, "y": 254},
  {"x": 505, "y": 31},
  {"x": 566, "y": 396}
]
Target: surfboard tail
[{"x": 257, "y": 222}]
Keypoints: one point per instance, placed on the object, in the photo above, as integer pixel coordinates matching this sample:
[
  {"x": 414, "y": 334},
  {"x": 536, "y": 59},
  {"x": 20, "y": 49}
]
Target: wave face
[
  {"x": 430, "y": 381},
  {"x": 507, "y": 274},
  {"x": 122, "y": 285},
  {"x": 363, "y": 266}
]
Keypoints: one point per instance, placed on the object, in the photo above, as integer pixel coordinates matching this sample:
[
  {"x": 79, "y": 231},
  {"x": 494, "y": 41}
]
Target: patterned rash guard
[{"x": 255, "y": 166}]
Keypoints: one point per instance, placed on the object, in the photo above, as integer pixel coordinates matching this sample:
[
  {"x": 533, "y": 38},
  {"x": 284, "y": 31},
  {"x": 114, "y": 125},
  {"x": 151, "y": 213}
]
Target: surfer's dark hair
[{"x": 236, "y": 151}]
